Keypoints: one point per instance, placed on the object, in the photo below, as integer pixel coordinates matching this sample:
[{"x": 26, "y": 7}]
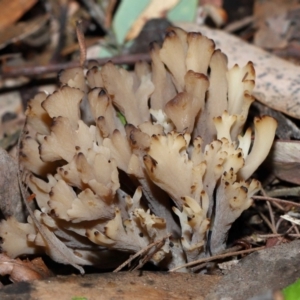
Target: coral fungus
[{"x": 178, "y": 168}]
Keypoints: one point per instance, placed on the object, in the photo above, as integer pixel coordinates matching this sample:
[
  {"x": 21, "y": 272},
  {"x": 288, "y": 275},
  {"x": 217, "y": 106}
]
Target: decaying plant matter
[{"x": 181, "y": 164}]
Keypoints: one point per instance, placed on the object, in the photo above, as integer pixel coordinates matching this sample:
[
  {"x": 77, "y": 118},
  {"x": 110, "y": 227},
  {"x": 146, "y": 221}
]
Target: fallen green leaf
[
  {"x": 184, "y": 11},
  {"x": 292, "y": 292},
  {"x": 128, "y": 11}
]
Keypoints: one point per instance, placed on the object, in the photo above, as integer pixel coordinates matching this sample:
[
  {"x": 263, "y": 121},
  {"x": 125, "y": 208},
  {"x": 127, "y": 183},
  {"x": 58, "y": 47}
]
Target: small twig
[
  {"x": 266, "y": 220},
  {"x": 291, "y": 228},
  {"x": 199, "y": 267},
  {"x": 234, "y": 26},
  {"x": 273, "y": 203},
  {"x": 296, "y": 229},
  {"x": 272, "y": 217},
  {"x": 277, "y": 205},
  {"x": 211, "y": 258},
  {"x": 278, "y": 223},
  {"x": 266, "y": 198},
  {"x": 234, "y": 248},
  {"x": 81, "y": 42},
  {"x": 96, "y": 12},
  {"x": 287, "y": 233},
  {"x": 31, "y": 71},
  {"x": 62, "y": 20},
  {"x": 142, "y": 251},
  {"x": 294, "y": 235},
  {"x": 271, "y": 235},
  {"x": 150, "y": 255},
  {"x": 109, "y": 12}
]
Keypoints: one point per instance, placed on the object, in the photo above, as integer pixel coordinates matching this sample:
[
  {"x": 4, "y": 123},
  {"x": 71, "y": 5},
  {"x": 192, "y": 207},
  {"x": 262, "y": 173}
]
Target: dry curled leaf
[
  {"x": 274, "y": 24},
  {"x": 285, "y": 160},
  {"x": 23, "y": 270},
  {"x": 21, "y": 30},
  {"x": 11, "y": 11}
]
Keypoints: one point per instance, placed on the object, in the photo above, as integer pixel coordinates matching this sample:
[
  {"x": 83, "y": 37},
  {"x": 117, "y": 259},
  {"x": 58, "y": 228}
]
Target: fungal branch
[{"x": 104, "y": 188}]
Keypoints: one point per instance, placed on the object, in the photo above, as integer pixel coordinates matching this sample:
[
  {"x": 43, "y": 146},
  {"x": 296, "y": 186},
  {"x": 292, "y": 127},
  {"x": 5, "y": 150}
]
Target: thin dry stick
[
  {"x": 142, "y": 251},
  {"x": 31, "y": 71},
  {"x": 266, "y": 198},
  {"x": 266, "y": 220},
  {"x": 239, "y": 24},
  {"x": 211, "y": 258},
  {"x": 271, "y": 235},
  {"x": 272, "y": 224},
  {"x": 296, "y": 229},
  {"x": 287, "y": 233},
  {"x": 277, "y": 205},
  {"x": 294, "y": 235},
  {"x": 95, "y": 11},
  {"x": 149, "y": 256},
  {"x": 234, "y": 248},
  {"x": 278, "y": 223},
  {"x": 109, "y": 12},
  {"x": 273, "y": 203},
  {"x": 199, "y": 267},
  {"x": 272, "y": 217},
  {"x": 292, "y": 227},
  {"x": 81, "y": 42}
]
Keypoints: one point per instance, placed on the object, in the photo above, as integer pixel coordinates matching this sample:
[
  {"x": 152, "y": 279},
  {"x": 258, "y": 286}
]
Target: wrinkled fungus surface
[{"x": 180, "y": 166}]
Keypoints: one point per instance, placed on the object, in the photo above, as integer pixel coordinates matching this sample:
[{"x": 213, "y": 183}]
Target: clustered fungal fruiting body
[{"x": 180, "y": 166}]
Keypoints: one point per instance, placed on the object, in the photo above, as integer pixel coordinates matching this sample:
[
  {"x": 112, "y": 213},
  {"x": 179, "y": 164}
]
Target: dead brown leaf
[
  {"x": 21, "y": 30},
  {"x": 11, "y": 11},
  {"x": 273, "y": 241},
  {"x": 273, "y": 23},
  {"x": 285, "y": 160},
  {"x": 23, "y": 270}
]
